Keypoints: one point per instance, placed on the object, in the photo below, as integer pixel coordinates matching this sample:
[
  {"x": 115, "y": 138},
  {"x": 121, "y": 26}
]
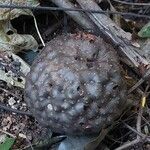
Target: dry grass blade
[{"x": 140, "y": 136}]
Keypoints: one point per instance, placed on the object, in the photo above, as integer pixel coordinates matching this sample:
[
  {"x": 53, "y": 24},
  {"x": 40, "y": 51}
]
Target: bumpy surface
[{"x": 75, "y": 86}]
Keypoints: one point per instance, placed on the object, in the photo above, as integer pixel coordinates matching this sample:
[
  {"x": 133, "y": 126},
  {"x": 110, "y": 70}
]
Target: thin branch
[
  {"x": 14, "y": 110},
  {"x": 7, "y": 133},
  {"x": 125, "y": 135},
  {"x": 138, "y": 124},
  {"x": 135, "y": 86},
  {"x": 130, "y": 3},
  {"x": 148, "y": 123},
  {"x": 72, "y": 9},
  {"x": 79, "y": 17},
  {"x": 135, "y": 131},
  {"x": 144, "y": 78},
  {"x": 140, "y": 136},
  {"x": 128, "y": 144},
  {"x": 6, "y": 91}
]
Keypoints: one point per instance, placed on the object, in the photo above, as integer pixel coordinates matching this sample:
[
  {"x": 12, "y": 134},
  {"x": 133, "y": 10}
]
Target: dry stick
[
  {"x": 139, "y": 119},
  {"x": 127, "y": 134},
  {"x": 8, "y": 92},
  {"x": 7, "y": 133},
  {"x": 2, "y": 106},
  {"x": 148, "y": 123},
  {"x": 145, "y": 77},
  {"x": 141, "y": 135},
  {"x": 136, "y": 85},
  {"x": 73, "y": 9},
  {"x": 128, "y": 144},
  {"x": 79, "y": 17},
  {"x": 115, "y": 34},
  {"x": 130, "y": 3},
  {"x": 138, "y": 132}
]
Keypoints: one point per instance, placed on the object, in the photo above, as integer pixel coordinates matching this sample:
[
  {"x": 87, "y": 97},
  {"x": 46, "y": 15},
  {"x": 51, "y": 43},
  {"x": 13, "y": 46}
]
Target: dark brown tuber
[{"x": 75, "y": 85}]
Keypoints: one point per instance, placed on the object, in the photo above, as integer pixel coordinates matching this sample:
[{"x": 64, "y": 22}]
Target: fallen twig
[
  {"x": 6, "y": 91},
  {"x": 140, "y": 136},
  {"x": 130, "y": 3},
  {"x": 73, "y": 10},
  {"x": 115, "y": 34},
  {"x": 128, "y": 144},
  {"x": 2, "y": 106},
  {"x": 77, "y": 16},
  {"x": 135, "y": 131},
  {"x": 144, "y": 78},
  {"x": 7, "y": 133}
]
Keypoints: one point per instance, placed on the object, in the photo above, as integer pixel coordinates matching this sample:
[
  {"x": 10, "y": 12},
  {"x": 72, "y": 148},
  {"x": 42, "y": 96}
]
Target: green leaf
[
  {"x": 7, "y": 144},
  {"x": 145, "y": 31}
]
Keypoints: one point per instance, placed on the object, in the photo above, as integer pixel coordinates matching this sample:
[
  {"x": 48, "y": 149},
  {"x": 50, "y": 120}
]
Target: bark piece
[
  {"x": 115, "y": 34},
  {"x": 79, "y": 17}
]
